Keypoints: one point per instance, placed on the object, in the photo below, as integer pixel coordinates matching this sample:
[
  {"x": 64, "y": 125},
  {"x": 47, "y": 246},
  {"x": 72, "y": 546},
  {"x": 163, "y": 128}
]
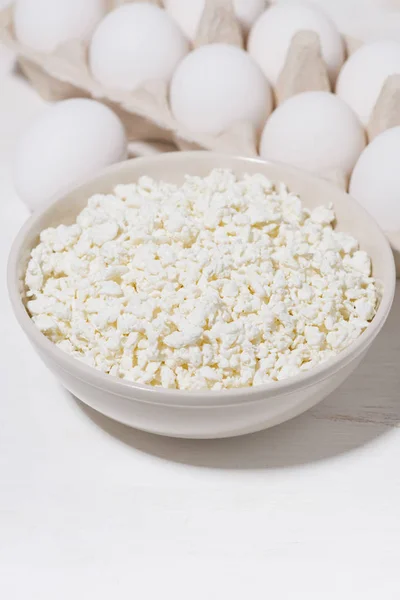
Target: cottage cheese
[{"x": 218, "y": 283}]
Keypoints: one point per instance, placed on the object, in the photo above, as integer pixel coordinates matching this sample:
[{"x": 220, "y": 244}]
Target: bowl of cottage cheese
[{"x": 201, "y": 295}]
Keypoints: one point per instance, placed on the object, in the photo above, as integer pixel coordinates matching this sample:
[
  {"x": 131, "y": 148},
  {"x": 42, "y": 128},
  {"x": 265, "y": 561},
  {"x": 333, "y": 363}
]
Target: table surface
[{"x": 93, "y": 509}]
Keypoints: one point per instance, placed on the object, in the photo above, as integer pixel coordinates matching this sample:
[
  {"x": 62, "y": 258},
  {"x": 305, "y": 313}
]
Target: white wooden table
[{"x": 90, "y": 509}]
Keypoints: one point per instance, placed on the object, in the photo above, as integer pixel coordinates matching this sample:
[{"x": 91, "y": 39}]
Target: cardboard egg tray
[{"x": 145, "y": 112}]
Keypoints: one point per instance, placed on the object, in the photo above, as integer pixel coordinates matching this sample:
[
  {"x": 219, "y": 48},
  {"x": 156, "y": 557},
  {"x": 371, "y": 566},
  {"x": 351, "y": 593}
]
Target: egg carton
[{"x": 146, "y": 113}]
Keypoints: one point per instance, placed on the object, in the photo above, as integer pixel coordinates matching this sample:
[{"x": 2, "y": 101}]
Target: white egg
[
  {"x": 375, "y": 181},
  {"x": 134, "y": 44},
  {"x": 43, "y": 25},
  {"x": 187, "y": 13},
  {"x": 362, "y": 78},
  {"x": 70, "y": 140},
  {"x": 216, "y": 86},
  {"x": 353, "y": 17},
  {"x": 315, "y": 131},
  {"x": 272, "y": 33}
]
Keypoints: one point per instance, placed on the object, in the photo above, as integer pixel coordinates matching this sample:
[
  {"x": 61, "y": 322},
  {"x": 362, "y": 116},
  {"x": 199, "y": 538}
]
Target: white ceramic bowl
[{"x": 202, "y": 414}]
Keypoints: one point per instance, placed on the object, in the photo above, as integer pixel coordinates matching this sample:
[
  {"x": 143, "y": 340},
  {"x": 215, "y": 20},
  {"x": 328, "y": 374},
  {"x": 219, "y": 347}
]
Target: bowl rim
[{"x": 192, "y": 398}]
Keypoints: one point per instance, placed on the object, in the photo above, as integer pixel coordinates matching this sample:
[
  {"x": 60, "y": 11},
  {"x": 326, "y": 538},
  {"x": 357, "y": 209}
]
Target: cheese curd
[{"x": 217, "y": 283}]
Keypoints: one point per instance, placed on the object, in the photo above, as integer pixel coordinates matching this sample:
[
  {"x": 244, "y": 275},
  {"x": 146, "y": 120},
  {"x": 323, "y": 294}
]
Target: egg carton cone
[
  {"x": 218, "y": 24},
  {"x": 304, "y": 69},
  {"x": 386, "y": 113}
]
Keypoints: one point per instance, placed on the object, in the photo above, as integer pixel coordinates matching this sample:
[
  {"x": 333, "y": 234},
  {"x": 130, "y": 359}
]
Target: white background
[{"x": 91, "y": 509}]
